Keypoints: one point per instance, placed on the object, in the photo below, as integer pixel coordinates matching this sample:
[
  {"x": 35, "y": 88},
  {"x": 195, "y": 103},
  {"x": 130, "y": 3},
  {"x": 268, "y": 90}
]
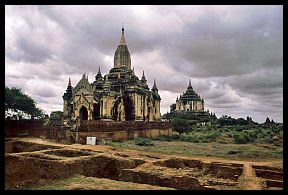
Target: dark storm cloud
[
  {"x": 261, "y": 82},
  {"x": 30, "y": 51},
  {"x": 220, "y": 45},
  {"x": 232, "y": 54}
]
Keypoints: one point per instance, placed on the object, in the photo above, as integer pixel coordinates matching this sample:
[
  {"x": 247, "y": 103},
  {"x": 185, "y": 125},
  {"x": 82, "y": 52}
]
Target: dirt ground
[
  {"x": 80, "y": 182},
  {"x": 35, "y": 162}
]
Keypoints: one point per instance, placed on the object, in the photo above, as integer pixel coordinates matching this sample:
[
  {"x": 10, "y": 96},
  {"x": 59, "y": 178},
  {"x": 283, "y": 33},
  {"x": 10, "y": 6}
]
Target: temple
[
  {"x": 119, "y": 95},
  {"x": 188, "y": 101}
]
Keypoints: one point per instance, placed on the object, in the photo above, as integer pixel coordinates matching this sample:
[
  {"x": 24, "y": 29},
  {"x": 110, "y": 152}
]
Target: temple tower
[{"x": 122, "y": 54}]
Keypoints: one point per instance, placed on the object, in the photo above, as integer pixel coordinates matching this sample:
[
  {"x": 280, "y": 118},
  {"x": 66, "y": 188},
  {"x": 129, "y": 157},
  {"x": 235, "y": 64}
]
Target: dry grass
[{"x": 251, "y": 152}]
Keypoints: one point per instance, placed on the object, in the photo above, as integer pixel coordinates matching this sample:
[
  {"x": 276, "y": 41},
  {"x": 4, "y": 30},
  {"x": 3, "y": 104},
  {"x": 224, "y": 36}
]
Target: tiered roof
[{"x": 190, "y": 94}]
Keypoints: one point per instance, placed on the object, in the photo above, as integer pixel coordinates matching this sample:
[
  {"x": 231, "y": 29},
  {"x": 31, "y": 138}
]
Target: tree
[
  {"x": 21, "y": 103},
  {"x": 226, "y": 120},
  {"x": 180, "y": 125},
  {"x": 241, "y": 138},
  {"x": 56, "y": 115},
  {"x": 241, "y": 121}
]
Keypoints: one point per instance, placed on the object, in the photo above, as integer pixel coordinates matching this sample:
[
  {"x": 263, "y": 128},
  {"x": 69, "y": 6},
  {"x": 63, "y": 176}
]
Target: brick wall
[
  {"x": 35, "y": 128},
  {"x": 99, "y": 129},
  {"x": 121, "y": 126},
  {"x": 122, "y": 130}
]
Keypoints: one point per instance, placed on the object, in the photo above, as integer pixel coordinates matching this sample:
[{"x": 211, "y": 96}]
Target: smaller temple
[{"x": 188, "y": 101}]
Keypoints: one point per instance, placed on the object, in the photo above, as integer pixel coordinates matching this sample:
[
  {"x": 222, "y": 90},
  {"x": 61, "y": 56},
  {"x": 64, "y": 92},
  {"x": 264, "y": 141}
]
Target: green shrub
[
  {"x": 223, "y": 142},
  {"x": 167, "y": 138},
  {"x": 143, "y": 142},
  {"x": 234, "y": 152},
  {"x": 241, "y": 138},
  {"x": 187, "y": 138},
  {"x": 182, "y": 138},
  {"x": 180, "y": 125},
  {"x": 203, "y": 140},
  {"x": 161, "y": 138},
  {"x": 175, "y": 136},
  {"x": 252, "y": 136},
  {"x": 238, "y": 128},
  {"x": 211, "y": 136}
]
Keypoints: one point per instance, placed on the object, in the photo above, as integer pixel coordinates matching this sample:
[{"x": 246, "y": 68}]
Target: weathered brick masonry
[
  {"x": 99, "y": 129},
  {"x": 37, "y": 128},
  {"x": 122, "y": 130}
]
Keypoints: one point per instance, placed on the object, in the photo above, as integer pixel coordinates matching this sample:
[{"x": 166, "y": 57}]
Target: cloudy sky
[{"x": 233, "y": 54}]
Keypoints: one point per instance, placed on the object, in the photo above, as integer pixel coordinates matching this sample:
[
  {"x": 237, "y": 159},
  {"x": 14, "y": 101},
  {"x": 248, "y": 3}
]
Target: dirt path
[{"x": 248, "y": 180}]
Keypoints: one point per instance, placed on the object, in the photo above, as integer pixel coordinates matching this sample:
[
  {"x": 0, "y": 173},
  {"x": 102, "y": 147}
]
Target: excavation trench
[
  {"x": 214, "y": 169},
  {"x": 184, "y": 174},
  {"x": 21, "y": 146},
  {"x": 273, "y": 176},
  {"x": 27, "y": 163}
]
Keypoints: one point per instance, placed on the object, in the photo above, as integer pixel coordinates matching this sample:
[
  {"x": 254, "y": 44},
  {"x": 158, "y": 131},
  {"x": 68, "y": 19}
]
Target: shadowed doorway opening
[{"x": 83, "y": 113}]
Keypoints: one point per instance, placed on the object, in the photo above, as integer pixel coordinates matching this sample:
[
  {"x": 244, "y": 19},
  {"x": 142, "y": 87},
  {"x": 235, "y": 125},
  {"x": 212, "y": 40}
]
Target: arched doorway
[
  {"x": 83, "y": 113},
  {"x": 129, "y": 109},
  {"x": 96, "y": 112}
]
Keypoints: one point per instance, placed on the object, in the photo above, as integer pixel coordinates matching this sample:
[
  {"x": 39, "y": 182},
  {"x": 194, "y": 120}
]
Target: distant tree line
[
  {"x": 228, "y": 120},
  {"x": 224, "y": 130},
  {"x": 185, "y": 122}
]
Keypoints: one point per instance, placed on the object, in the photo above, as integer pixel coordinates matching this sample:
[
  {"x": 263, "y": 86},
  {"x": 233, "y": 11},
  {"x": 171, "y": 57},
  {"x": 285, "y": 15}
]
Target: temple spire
[
  {"x": 122, "y": 55},
  {"x": 154, "y": 85},
  {"x": 122, "y": 40},
  {"x": 69, "y": 83},
  {"x": 143, "y": 77},
  {"x": 98, "y": 76},
  {"x": 190, "y": 86}
]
